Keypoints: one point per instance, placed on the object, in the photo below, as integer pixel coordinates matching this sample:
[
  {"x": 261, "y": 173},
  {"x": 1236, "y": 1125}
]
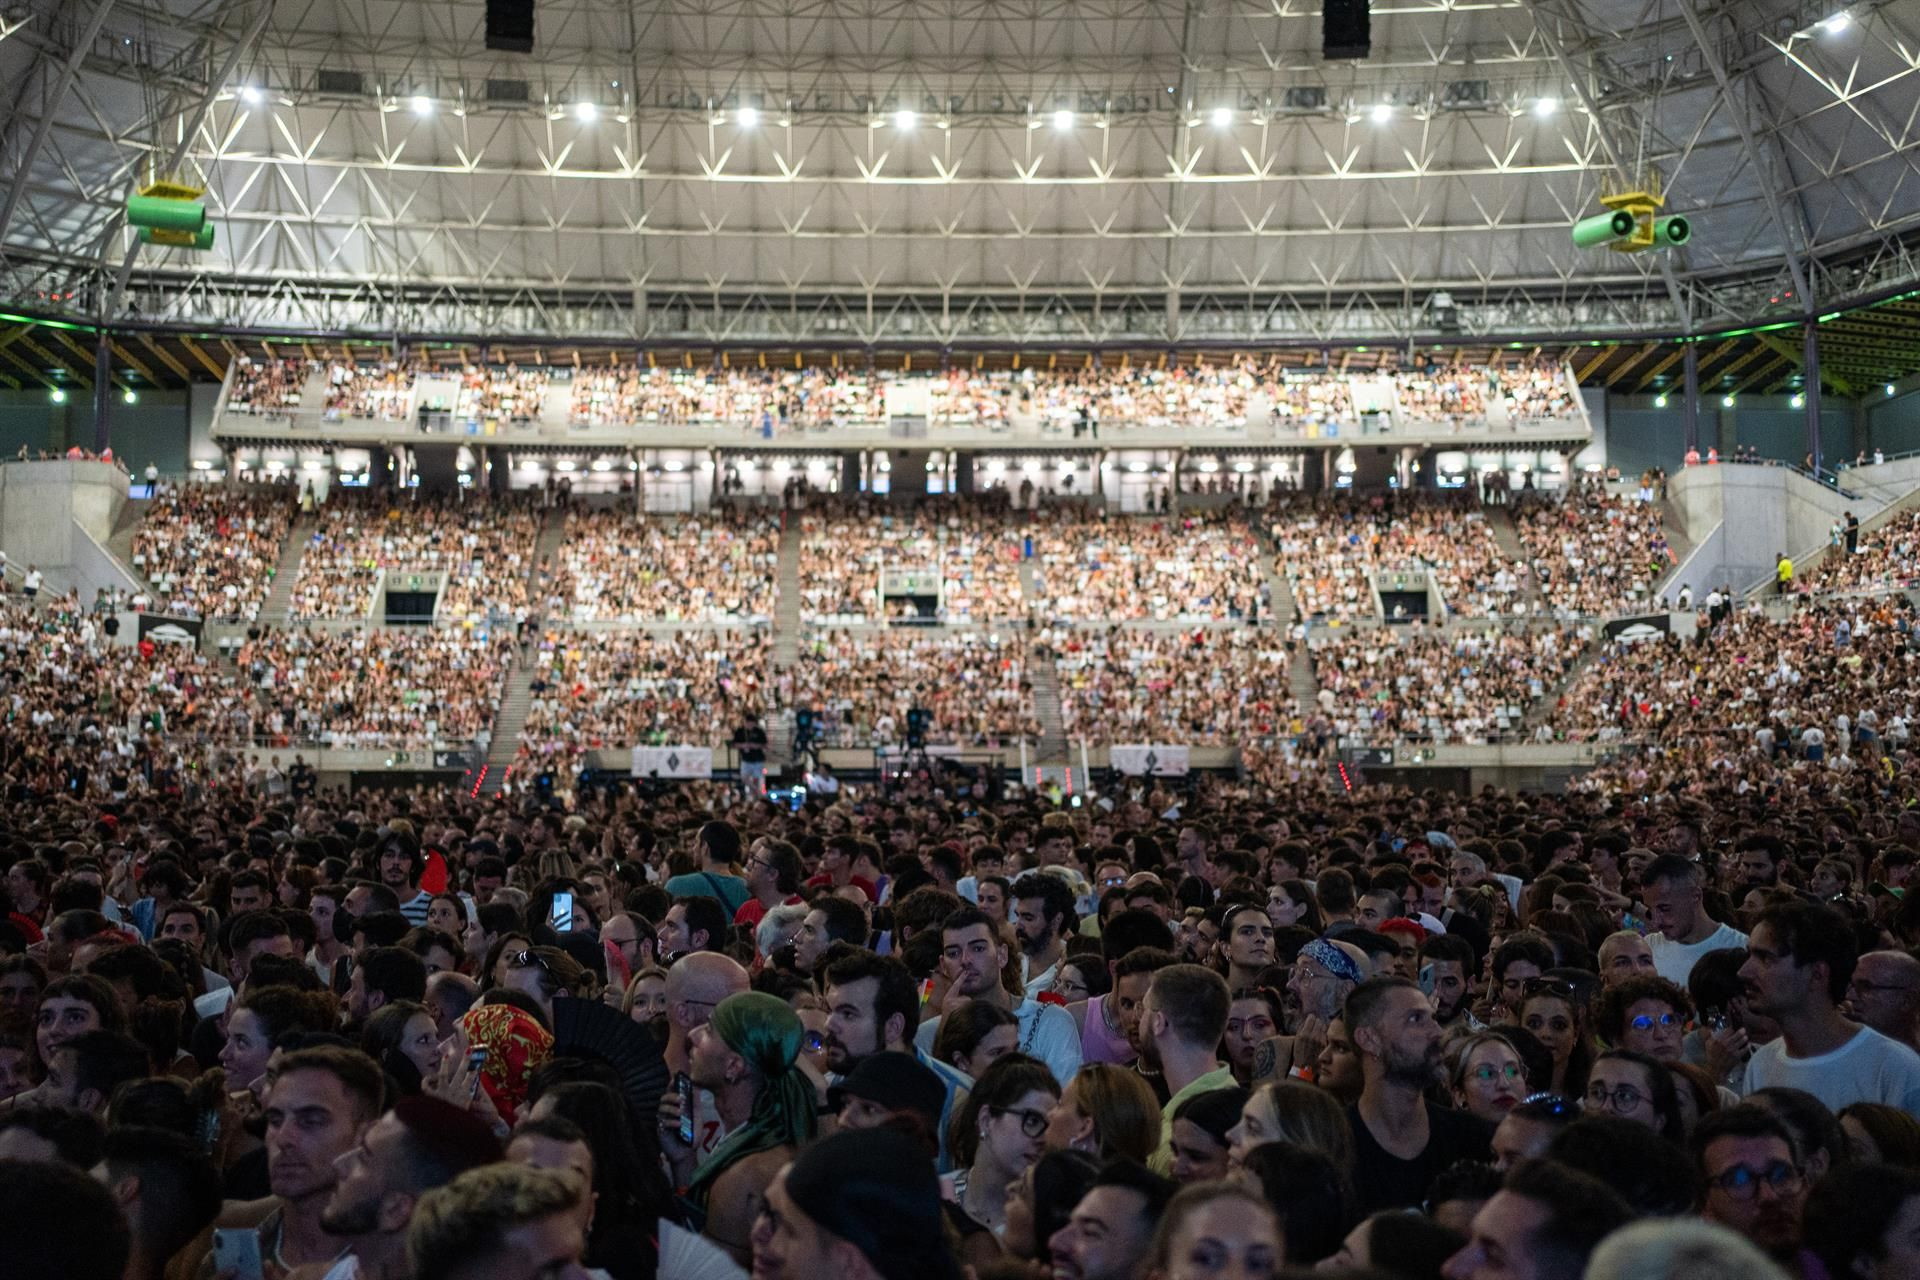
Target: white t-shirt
[
  {"x": 1675, "y": 960},
  {"x": 1868, "y": 1068}
]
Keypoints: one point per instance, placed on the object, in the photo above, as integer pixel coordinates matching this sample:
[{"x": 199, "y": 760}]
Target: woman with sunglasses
[
  {"x": 1552, "y": 1011},
  {"x": 999, "y": 1134},
  {"x": 1490, "y": 1078},
  {"x": 1647, "y": 1014}
]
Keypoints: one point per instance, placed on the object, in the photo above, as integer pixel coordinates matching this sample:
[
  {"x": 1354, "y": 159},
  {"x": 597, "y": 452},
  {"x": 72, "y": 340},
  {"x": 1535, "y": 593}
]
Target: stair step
[
  {"x": 279, "y": 601},
  {"x": 1507, "y": 535},
  {"x": 786, "y": 607}
]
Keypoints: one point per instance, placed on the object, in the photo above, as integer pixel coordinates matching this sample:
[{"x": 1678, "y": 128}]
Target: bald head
[
  {"x": 697, "y": 982},
  {"x": 1360, "y": 958},
  {"x": 1885, "y": 994}
]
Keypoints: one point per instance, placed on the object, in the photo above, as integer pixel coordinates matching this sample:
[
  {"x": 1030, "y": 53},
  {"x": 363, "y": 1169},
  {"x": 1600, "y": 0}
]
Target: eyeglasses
[
  {"x": 1646, "y": 1021},
  {"x": 1487, "y": 1073},
  {"x": 813, "y": 1042},
  {"x": 1549, "y": 987},
  {"x": 1621, "y": 1098},
  {"x": 1743, "y": 1183},
  {"x": 1032, "y": 1123},
  {"x": 1554, "y": 1104}
]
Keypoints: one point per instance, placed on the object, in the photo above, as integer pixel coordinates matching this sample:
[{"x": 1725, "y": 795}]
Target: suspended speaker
[
  {"x": 510, "y": 25},
  {"x": 1346, "y": 29}
]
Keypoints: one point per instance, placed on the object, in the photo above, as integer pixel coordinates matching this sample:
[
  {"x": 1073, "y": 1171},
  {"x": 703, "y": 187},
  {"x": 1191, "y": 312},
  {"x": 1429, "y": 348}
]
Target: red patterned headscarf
[{"x": 516, "y": 1044}]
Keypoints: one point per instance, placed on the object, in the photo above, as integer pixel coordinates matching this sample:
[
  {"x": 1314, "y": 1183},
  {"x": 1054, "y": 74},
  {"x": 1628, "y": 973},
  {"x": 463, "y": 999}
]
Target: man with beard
[
  {"x": 1181, "y": 1023},
  {"x": 873, "y": 1006},
  {"x": 1448, "y": 962},
  {"x": 421, "y": 1144},
  {"x": 1042, "y": 918},
  {"x": 975, "y": 956},
  {"x": 1754, "y": 1181},
  {"x": 1322, "y": 975},
  {"x": 1400, "y": 1139}
]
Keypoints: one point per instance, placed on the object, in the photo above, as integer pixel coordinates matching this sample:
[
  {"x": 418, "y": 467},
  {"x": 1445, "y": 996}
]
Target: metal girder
[
  {"x": 135, "y": 364},
  {"x": 166, "y": 358},
  {"x": 85, "y": 356},
  {"x": 1585, "y": 371},
  {"x": 1788, "y": 249},
  {"x": 82, "y": 373},
  {"x": 1672, "y": 358},
  {"x": 1765, "y": 370},
  {"x": 38, "y": 375},
  {"x": 207, "y": 362},
  {"x": 49, "y": 111}
]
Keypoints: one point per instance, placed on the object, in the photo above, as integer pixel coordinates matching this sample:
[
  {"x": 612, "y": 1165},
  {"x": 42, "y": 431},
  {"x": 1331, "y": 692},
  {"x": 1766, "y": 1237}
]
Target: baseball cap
[
  {"x": 876, "y": 1189},
  {"x": 896, "y": 1081}
]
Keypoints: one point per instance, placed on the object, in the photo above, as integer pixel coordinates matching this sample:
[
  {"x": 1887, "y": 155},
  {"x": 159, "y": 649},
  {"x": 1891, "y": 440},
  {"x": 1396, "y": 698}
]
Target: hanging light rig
[{"x": 1633, "y": 222}]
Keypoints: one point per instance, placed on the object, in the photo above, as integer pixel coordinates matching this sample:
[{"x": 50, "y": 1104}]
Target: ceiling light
[
  {"x": 1544, "y": 107},
  {"x": 585, "y": 112},
  {"x": 1889, "y": 388},
  {"x": 251, "y": 95},
  {"x": 746, "y": 117},
  {"x": 1799, "y": 401},
  {"x": 1837, "y": 23},
  {"x": 1382, "y": 112},
  {"x": 1063, "y": 119},
  {"x": 1726, "y": 401},
  {"x": 59, "y": 395},
  {"x": 422, "y": 105},
  {"x": 1660, "y": 401},
  {"x": 1222, "y": 117},
  {"x": 130, "y": 396},
  {"x": 903, "y": 119}
]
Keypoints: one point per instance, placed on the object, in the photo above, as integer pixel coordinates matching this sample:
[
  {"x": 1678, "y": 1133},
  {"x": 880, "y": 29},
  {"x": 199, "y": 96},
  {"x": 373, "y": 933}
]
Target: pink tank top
[{"x": 1097, "y": 1042}]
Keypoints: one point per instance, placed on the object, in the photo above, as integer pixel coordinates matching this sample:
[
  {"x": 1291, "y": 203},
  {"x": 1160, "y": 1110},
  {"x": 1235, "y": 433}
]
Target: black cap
[
  {"x": 876, "y": 1189},
  {"x": 896, "y": 1081}
]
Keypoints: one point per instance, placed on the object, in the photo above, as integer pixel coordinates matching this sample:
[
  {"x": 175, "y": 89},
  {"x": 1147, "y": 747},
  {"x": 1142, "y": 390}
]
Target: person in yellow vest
[{"x": 1782, "y": 575}]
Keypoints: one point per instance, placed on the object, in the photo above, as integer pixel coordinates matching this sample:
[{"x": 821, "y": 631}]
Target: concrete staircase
[
  {"x": 1540, "y": 711},
  {"x": 786, "y": 609},
  {"x": 508, "y": 722},
  {"x": 546, "y": 562},
  {"x": 1301, "y": 682},
  {"x": 1046, "y": 704},
  {"x": 1674, "y": 526},
  {"x": 120, "y": 540},
  {"x": 279, "y": 601},
  {"x": 1514, "y": 551}
]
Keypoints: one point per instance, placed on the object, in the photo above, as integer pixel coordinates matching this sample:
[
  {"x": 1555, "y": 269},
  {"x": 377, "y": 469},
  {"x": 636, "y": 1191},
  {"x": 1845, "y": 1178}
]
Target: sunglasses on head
[{"x": 1549, "y": 987}]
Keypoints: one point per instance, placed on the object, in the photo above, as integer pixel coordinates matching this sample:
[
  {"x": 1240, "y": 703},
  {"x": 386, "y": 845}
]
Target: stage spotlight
[
  {"x": 746, "y": 117},
  {"x": 1063, "y": 119},
  {"x": 251, "y": 95},
  {"x": 903, "y": 119},
  {"x": 1222, "y": 117},
  {"x": 1382, "y": 112},
  {"x": 1544, "y": 107},
  {"x": 422, "y": 105},
  {"x": 585, "y": 112}
]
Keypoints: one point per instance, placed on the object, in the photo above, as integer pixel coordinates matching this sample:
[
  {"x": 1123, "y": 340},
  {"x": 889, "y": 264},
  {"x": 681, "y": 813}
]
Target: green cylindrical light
[
  {"x": 173, "y": 215},
  {"x": 201, "y": 239},
  {"x": 1672, "y": 231},
  {"x": 1602, "y": 228}
]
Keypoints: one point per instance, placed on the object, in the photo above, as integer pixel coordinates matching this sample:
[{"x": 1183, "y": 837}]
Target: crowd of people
[
  {"x": 382, "y": 391},
  {"x": 268, "y": 385},
  {"x": 1456, "y": 396},
  {"x": 785, "y": 399},
  {"x": 611, "y": 690},
  {"x": 1593, "y": 553},
  {"x": 862, "y": 685},
  {"x": 358, "y": 688},
  {"x": 210, "y": 551},
  {"x": 1241, "y": 1027},
  {"x": 618, "y": 566},
  {"x": 1177, "y": 568},
  {"x": 1887, "y": 557},
  {"x": 483, "y": 546},
  {"x": 961, "y": 555},
  {"x": 1533, "y": 391},
  {"x": 493, "y": 393},
  {"x": 1208, "y": 686},
  {"x": 1382, "y": 685}
]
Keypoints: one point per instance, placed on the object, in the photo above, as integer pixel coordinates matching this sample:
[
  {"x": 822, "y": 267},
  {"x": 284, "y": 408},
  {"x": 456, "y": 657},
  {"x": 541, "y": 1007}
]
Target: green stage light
[
  {"x": 1602, "y": 228},
  {"x": 171, "y": 215},
  {"x": 1671, "y": 232}
]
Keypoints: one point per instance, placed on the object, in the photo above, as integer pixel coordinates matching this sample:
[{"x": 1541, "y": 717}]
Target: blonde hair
[
  {"x": 1308, "y": 1116},
  {"x": 1671, "y": 1248},
  {"x": 1126, "y": 1115},
  {"x": 458, "y": 1226},
  {"x": 633, "y": 986}
]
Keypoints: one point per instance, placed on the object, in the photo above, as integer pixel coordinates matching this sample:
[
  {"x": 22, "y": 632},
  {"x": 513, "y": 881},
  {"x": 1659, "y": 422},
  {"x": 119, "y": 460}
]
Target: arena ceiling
[{"x": 958, "y": 172}]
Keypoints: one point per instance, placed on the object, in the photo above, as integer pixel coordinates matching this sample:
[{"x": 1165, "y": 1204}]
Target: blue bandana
[{"x": 1332, "y": 959}]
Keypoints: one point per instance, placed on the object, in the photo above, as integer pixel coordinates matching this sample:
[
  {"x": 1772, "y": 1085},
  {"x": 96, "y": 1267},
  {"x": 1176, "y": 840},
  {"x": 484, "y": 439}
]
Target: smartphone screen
[
  {"x": 683, "y": 1086},
  {"x": 562, "y": 920},
  {"x": 236, "y": 1252}
]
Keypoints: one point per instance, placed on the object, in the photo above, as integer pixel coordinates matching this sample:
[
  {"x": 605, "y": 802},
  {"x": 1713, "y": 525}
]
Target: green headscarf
[{"x": 768, "y": 1034}]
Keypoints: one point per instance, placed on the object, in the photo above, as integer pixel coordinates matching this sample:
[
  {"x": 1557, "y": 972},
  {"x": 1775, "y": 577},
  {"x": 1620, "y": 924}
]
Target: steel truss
[{"x": 1298, "y": 220}]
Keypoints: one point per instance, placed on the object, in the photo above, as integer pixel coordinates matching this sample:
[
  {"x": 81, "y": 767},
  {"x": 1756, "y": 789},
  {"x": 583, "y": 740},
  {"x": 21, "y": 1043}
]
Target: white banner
[
  {"x": 1160, "y": 760},
  {"x": 673, "y": 762}
]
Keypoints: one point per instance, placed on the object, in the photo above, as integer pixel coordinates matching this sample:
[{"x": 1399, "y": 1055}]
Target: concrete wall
[
  {"x": 1642, "y": 435},
  {"x": 43, "y": 504},
  {"x": 1762, "y": 511},
  {"x": 155, "y": 429}
]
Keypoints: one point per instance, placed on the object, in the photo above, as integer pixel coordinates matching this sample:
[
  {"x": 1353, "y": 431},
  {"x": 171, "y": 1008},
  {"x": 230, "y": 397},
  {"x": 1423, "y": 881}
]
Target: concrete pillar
[
  {"x": 1690, "y": 403},
  {"x": 1812, "y": 393}
]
